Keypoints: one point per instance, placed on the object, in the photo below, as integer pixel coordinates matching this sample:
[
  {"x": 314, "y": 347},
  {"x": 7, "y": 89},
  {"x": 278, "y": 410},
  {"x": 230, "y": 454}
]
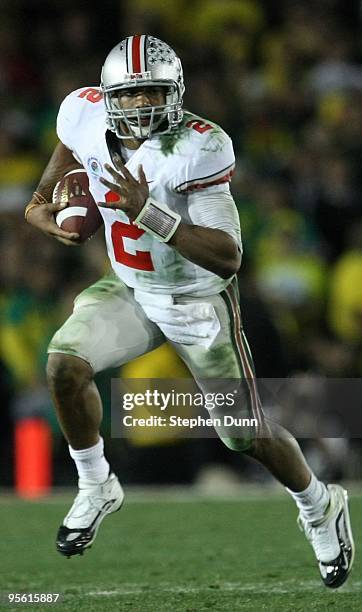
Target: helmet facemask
[{"x": 143, "y": 122}]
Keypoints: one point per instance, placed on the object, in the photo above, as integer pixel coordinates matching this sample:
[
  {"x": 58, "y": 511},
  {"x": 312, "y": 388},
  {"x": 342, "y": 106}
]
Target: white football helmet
[{"x": 141, "y": 61}]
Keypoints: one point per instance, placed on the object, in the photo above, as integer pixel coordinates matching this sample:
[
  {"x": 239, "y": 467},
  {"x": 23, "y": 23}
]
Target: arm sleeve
[{"x": 215, "y": 207}]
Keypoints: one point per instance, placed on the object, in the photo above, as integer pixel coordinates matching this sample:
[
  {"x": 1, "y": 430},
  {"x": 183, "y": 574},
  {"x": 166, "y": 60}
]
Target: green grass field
[{"x": 170, "y": 554}]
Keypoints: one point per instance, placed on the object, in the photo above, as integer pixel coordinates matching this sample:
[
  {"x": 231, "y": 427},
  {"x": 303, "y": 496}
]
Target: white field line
[
  {"x": 172, "y": 495},
  {"x": 312, "y": 586},
  {"x": 185, "y": 494}
]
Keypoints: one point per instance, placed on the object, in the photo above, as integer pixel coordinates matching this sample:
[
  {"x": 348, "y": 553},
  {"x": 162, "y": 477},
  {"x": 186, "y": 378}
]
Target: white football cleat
[
  {"x": 90, "y": 507},
  {"x": 331, "y": 539}
]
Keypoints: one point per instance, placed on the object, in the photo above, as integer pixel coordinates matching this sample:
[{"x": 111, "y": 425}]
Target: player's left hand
[{"x": 132, "y": 193}]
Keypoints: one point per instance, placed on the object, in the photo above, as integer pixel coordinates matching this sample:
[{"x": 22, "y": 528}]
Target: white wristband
[{"x": 157, "y": 219}]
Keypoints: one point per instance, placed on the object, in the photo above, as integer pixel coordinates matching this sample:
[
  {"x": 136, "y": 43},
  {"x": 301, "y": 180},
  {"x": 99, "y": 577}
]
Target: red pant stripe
[{"x": 247, "y": 368}]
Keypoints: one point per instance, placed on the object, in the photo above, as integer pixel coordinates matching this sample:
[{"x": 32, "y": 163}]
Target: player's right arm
[
  {"x": 41, "y": 215},
  {"x": 63, "y": 160}
]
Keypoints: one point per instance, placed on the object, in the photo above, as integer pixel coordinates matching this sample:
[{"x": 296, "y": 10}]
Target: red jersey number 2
[
  {"x": 141, "y": 260},
  {"x": 199, "y": 126},
  {"x": 91, "y": 94}
]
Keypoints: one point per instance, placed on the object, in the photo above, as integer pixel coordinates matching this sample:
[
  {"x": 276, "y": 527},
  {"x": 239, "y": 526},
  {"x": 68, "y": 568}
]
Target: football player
[{"x": 161, "y": 177}]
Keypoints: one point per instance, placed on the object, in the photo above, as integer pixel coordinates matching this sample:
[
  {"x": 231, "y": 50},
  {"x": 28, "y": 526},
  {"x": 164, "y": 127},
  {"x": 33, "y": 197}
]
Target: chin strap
[{"x": 157, "y": 219}]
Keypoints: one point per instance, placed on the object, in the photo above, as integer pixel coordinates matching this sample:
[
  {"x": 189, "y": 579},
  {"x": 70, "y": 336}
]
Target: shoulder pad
[
  {"x": 211, "y": 159},
  {"x": 73, "y": 109}
]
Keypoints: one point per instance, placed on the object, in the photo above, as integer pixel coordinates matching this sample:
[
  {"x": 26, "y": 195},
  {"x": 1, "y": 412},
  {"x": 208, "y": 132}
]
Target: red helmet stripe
[{"x": 136, "y": 53}]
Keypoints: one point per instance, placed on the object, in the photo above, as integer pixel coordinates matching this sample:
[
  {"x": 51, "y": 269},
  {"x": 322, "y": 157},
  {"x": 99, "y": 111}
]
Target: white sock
[
  {"x": 313, "y": 501},
  {"x": 91, "y": 462}
]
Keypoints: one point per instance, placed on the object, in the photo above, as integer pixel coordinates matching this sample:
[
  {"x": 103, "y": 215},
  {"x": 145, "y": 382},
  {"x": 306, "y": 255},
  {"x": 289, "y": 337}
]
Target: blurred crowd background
[{"x": 284, "y": 79}]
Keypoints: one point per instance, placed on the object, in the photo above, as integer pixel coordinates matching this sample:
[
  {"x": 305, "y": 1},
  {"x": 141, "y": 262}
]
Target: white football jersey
[{"x": 196, "y": 158}]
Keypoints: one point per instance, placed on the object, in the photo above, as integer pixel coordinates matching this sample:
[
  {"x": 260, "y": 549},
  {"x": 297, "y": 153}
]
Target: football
[{"x": 81, "y": 215}]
